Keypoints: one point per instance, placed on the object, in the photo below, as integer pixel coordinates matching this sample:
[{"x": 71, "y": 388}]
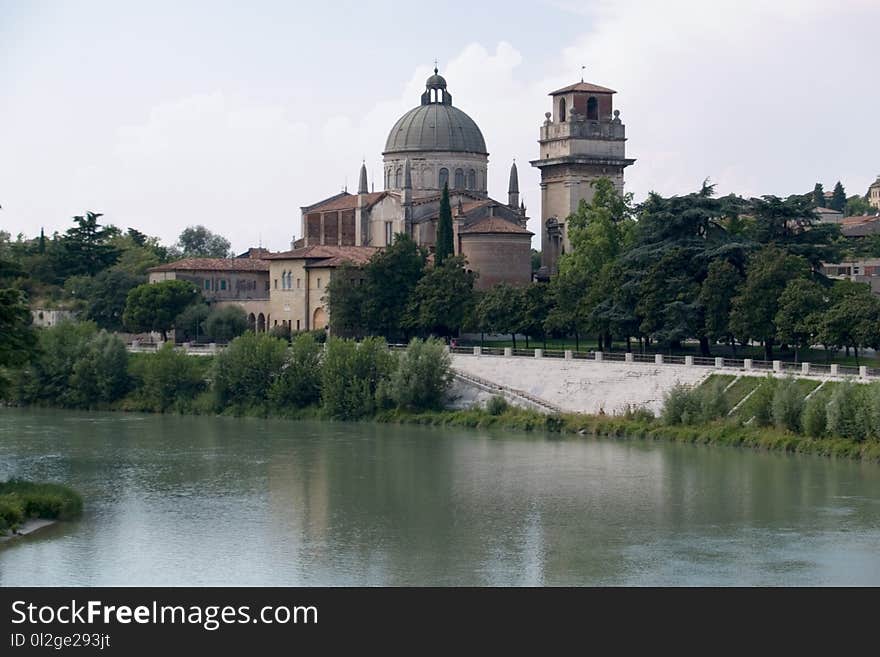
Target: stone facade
[
  {"x": 874, "y": 193},
  {"x": 582, "y": 140}
]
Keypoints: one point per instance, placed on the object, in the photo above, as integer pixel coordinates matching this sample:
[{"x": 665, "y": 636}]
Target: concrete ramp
[{"x": 583, "y": 386}]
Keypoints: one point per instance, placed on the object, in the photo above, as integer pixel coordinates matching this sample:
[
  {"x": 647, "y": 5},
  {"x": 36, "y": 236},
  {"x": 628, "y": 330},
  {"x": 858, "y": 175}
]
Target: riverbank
[
  {"x": 26, "y": 506},
  {"x": 722, "y": 433}
]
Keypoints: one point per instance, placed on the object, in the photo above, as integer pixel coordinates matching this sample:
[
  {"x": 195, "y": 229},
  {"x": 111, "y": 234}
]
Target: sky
[{"x": 234, "y": 115}]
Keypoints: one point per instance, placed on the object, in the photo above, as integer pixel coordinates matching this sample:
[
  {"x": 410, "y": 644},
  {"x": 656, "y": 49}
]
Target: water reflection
[{"x": 223, "y": 501}]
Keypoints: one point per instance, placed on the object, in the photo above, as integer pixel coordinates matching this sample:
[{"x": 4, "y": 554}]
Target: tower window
[
  {"x": 388, "y": 233},
  {"x": 459, "y": 179},
  {"x": 444, "y": 177},
  {"x": 593, "y": 109},
  {"x": 562, "y": 110},
  {"x": 472, "y": 179}
]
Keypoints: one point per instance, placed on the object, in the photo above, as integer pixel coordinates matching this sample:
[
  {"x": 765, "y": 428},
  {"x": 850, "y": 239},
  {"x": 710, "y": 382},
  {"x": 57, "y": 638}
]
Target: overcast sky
[{"x": 233, "y": 115}]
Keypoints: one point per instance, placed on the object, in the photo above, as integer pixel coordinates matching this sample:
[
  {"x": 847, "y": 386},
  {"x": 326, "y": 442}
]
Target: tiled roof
[
  {"x": 495, "y": 225},
  {"x": 583, "y": 86},
  {"x": 345, "y": 202},
  {"x": 214, "y": 264},
  {"x": 355, "y": 254}
]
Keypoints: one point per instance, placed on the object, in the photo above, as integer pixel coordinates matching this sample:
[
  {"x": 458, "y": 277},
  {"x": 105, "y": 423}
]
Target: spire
[
  {"x": 513, "y": 187},
  {"x": 362, "y": 185}
]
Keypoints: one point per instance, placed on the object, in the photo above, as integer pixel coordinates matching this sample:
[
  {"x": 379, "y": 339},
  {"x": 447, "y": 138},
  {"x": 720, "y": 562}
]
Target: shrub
[
  {"x": 168, "y": 379},
  {"x": 281, "y": 331},
  {"x": 351, "y": 375},
  {"x": 21, "y": 499},
  {"x": 190, "y": 324},
  {"x": 638, "y": 413},
  {"x": 788, "y": 405},
  {"x": 423, "y": 375},
  {"x": 713, "y": 402},
  {"x": 246, "y": 370},
  {"x": 848, "y": 411},
  {"x": 299, "y": 384},
  {"x": 681, "y": 405},
  {"x": 496, "y": 405},
  {"x": 814, "y": 417},
  {"x": 872, "y": 398},
  {"x": 761, "y": 402},
  {"x": 11, "y": 512},
  {"x": 226, "y": 323}
]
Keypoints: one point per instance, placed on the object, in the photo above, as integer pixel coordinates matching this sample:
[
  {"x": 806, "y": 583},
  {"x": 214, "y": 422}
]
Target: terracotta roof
[
  {"x": 345, "y": 202},
  {"x": 495, "y": 225},
  {"x": 583, "y": 86},
  {"x": 356, "y": 254},
  {"x": 214, "y": 264},
  {"x": 860, "y": 219},
  {"x": 336, "y": 261}
]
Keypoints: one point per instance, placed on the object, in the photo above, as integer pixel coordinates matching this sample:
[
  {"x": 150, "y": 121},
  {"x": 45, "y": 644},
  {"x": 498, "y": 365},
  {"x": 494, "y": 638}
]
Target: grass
[
  {"x": 21, "y": 500},
  {"x": 738, "y": 391}
]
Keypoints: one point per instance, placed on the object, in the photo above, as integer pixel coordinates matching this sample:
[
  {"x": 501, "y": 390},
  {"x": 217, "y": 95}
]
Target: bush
[
  {"x": 496, "y": 405},
  {"x": 713, "y": 402},
  {"x": 351, "y": 375},
  {"x": 788, "y": 405},
  {"x": 681, "y": 405},
  {"x": 761, "y": 402},
  {"x": 638, "y": 413},
  {"x": 848, "y": 411},
  {"x": 11, "y": 512},
  {"x": 814, "y": 417},
  {"x": 299, "y": 384},
  {"x": 423, "y": 375},
  {"x": 281, "y": 331},
  {"x": 190, "y": 324},
  {"x": 226, "y": 323},
  {"x": 20, "y": 500},
  {"x": 246, "y": 371},
  {"x": 872, "y": 398},
  {"x": 168, "y": 379}
]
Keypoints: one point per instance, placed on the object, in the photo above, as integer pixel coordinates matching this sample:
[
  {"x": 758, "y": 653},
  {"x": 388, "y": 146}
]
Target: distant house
[
  {"x": 866, "y": 270},
  {"x": 829, "y": 216},
  {"x": 860, "y": 226},
  {"x": 46, "y": 317},
  {"x": 873, "y": 194}
]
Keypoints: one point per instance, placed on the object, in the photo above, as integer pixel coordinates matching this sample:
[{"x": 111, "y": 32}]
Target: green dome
[{"x": 435, "y": 127}]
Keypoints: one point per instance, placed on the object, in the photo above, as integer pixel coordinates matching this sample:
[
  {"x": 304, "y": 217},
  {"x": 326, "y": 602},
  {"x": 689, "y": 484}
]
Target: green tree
[
  {"x": 102, "y": 298},
  {"x": 246, "y": 371},
  {"x": 168, "y": 379},
  {"x": 199, "y": 242},
  {"x": 299, "y": 385},
  {"x": 537, "y": 304},
  {"x": 226, "y": 323},
  {"x": 853, "y": 319},
  {"x": 351, "y": 375},
  {"x": 754, "y": 309},
  {"x": 390, "y": 278},
  {"x": 798, "y": 320},
  {"x": 423, "y": 375},
  {"x": 156, "y": 306},
  {"x": 86, "y": 248},
  {"x": 190, "y": 324},
  {"x": 716, "y": 297},
  {"x": 445, "y": 247},
  {"x": 442, "y": 300},
  {"x": 501, "y": 310},
  {"x": 346, "y": 299},
  {"x": 857, "y": 206},
  {"x": 17, "y": 337},
  {"x": 818, "y": 197},
  {"x": 838, "y": 198}
]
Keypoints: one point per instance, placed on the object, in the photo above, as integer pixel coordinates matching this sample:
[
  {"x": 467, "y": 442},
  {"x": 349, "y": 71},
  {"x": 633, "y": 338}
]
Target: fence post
[
  {"x": 835, "y": 369},
  {"x": 719, "y": 362},
  {"x": 658, "y": 359},
  {"x": 689, "y": 360},
  {"x": 477, "y": 351},
  {"x": 568, "y": 354},
  {"x": 805, "y": 368},
  {"x": 628, "y": 357},
  {"x": 508, "y": 351},
  {"x": 539, "y": 353},
  {"x": 777, "y": 365},
  {"x": 747, "y": 363},
  {"x": 598, "y": 356},
  {"x": 863, "y": 371}
]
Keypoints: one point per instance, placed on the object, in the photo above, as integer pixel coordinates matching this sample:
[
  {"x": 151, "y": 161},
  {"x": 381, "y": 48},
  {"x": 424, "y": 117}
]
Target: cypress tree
[
  {"x": 445, "y": 247},
  {"x": 818, "y": 196},
  {"x": 838, "y": 198}
]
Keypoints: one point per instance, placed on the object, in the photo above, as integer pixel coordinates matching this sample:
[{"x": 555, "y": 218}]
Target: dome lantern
[{"x": 435, "y": 90}]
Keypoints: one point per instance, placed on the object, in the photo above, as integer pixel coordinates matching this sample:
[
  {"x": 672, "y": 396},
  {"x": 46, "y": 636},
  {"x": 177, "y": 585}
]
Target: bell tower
[{"x": 582, "y": 140}]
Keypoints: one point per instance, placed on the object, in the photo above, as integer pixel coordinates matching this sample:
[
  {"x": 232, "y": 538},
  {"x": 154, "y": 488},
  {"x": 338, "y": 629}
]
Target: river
[{"x": 223, "y": 501}]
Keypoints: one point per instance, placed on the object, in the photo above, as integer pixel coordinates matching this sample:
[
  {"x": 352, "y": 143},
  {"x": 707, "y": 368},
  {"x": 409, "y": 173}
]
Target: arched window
[
  {"x": 459, "y": 179},
  {"x": 562, "y": 110},
  {"x": 472, "y": 179},
  {"x": 444, "y": 177},
  {"x": 398, "y": 178},
  {"x": 284, "y": 280},
  {"x": 426, "y": 178},
  {"x": 593, "y": 109}
]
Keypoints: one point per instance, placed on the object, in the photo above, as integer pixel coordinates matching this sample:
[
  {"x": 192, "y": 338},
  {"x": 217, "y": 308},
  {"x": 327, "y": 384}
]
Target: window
[
  {"x": 472, "y": 179},
  {"x": 398, "y": 179},
  {"x": 222, "y": 283},
  {"x": 562, "y": 110},
  {"x": 276, "y": 283},
  {"x": 593, "y": 109},
  {"x": 459, "y": 179},
  {"x": 444, "y": 178},
  {"x": 207, "y": 283},
  {"x": 298, "y": 283},
  {"x": 319, "y": 283},
  {"x": 297, "y": 325},
  {"x": 388, "y": 233}
]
